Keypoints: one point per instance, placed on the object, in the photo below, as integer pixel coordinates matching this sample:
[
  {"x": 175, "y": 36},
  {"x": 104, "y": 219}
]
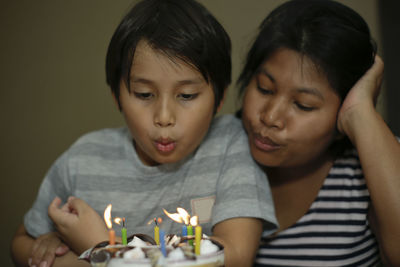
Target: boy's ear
[
  {"x": 116, "y": 101},
  {"x": 221, "y": 103}
]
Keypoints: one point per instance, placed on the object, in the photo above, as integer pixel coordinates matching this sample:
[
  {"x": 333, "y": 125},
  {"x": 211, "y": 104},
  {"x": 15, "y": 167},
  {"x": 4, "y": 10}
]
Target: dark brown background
[{"x": 53, "y": 88}]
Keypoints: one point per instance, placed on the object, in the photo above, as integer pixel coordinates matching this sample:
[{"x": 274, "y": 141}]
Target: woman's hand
[
  {"x": 363, "y": 95},
  {"x": 45, "y": 248}
]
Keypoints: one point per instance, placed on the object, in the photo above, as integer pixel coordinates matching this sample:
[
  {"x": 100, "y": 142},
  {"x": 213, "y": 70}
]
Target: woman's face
[{"x": 289, "y": 112}]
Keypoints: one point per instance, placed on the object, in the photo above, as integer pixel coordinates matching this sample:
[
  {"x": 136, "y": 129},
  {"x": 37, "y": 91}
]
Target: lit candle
[
  {"x": 124, "y": 238},
  {"x": 123, "y": 233},
  {"x": 157, "y": 234},
  {"x": 198, "y": 233},
  {"x": 193, "y": 222},
  {"x": 107, "y": 219},
  {"x": 156, "y": 229},
  {"x": 162, "y": 243},
  {"x": 184, "y": 217},
  {"x": 111, "y": 236},
  {"x": 190, "y": 233},
  {"x": 184, "y": 231}
]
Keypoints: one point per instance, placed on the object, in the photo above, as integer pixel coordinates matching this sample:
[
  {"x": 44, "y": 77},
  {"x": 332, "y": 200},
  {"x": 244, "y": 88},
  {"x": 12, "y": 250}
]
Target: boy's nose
[{"x": 165, "y": 114}]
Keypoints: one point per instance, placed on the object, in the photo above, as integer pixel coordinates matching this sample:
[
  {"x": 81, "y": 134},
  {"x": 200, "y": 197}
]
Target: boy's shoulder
[
  {"x": 226, "y": 132},
  {"x": 226, "y": 123},
  {"x": 100, "y": 141},
  {"x": 106, "y": 135}
]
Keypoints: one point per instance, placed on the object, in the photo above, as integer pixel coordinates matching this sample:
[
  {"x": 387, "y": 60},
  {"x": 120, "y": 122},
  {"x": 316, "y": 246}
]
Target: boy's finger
[
  {"x": 70, "y": 198},
  {"x": 56, "y": 202},
  {"x": 54, "y": 211},
  {"x": 65, "y": 207},
  {"x": 78, "y": 205}
]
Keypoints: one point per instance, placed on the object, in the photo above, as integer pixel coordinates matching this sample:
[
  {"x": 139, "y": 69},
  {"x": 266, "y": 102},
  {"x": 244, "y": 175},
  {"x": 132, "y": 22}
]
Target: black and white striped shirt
[{"x": 335, "y": 230}]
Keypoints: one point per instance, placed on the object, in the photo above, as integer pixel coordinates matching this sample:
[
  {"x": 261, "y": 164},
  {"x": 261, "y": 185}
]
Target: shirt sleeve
[
  {"x": 243, "y": 188},
  {"x": 55, "y": 183}
]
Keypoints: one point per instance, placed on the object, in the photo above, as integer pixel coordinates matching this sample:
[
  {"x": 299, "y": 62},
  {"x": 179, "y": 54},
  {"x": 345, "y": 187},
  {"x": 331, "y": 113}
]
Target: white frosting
[
  {"x": 176, "y": 254},
  {"x": 174, "y": 240},
  {"x": 135, "y": 253},
  {"x": 207, "y": 247},
  {"x": 137, "y": 242}
]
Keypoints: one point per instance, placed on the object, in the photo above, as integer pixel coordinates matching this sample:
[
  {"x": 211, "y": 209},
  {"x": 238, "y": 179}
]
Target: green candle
[
  {"x": 190, "y": 234},
  {"x": 123, "y": 233}
]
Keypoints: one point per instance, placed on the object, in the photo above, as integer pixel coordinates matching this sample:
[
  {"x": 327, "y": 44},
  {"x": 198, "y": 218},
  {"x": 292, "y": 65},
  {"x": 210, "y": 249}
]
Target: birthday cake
[{"x": 142, "y": 251}]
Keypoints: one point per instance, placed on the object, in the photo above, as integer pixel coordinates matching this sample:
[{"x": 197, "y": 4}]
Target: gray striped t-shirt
[{"x": 218, "y": 181}]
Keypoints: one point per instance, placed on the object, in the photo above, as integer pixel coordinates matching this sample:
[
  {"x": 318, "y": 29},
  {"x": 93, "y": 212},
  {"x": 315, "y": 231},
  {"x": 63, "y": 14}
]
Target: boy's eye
[
  {"x": 303, "y": 107},
  {"x": 264, "y": 91},
  {"x": 187, "y": 97},
  {"x": 144, "y": 96}
]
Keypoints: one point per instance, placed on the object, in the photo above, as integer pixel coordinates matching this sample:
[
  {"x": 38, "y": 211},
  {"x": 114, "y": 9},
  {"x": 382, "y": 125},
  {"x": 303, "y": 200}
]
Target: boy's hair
[
  {"x": 181, "y": 29},
  {"x": 332, "y": 35}
]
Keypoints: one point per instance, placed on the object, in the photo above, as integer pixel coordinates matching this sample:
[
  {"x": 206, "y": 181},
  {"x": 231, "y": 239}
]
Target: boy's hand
[
  {"x": 45, "y": 248},
  {"x": 77, "y": 223}
]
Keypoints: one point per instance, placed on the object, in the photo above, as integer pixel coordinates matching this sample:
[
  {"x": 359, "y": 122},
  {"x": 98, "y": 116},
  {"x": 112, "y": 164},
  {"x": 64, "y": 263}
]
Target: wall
[{"x": 53, "y": 87}]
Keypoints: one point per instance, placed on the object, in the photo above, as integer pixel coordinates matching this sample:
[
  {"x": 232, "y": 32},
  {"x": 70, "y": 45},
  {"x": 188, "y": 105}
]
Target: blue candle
[
  {"x": 162, "y": 243},
  {"x": 184, "y": 230}
]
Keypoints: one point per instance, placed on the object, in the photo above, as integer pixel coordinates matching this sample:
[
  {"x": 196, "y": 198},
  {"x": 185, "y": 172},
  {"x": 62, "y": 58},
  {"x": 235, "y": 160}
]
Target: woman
[{"x": 332, "y": 162}]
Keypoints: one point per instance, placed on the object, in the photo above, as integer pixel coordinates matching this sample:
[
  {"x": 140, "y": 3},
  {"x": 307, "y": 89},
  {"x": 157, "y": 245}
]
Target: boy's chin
[{"x": 161, "y": 159}]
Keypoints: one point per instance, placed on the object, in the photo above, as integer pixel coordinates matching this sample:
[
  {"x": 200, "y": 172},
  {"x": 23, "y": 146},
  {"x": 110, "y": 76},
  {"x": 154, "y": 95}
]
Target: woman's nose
[{"x": 273, "y": 114}]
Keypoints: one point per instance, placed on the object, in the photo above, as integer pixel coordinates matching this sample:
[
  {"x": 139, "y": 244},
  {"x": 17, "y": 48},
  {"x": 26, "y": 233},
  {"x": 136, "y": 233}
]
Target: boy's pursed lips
[{"x": 165, "y": 144}]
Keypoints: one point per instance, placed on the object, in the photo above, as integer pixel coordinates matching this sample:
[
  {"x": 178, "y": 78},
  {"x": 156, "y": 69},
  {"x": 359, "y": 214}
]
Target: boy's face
[{"x": 169, "y": 107}]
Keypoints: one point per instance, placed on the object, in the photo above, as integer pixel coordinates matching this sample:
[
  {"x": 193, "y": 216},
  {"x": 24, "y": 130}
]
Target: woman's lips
[
  {"x": 165, "y": 146},
  {"x": 265, "y": 143}
]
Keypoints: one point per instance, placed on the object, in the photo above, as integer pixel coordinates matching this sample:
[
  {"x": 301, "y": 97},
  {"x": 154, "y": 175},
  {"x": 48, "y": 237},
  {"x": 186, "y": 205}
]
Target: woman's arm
[
  {"x": 379, "y": 153},
  {"x": 21, "y": 250},
  {"x": 21, "y": 247},
  {"x": 240, "y": 238}
]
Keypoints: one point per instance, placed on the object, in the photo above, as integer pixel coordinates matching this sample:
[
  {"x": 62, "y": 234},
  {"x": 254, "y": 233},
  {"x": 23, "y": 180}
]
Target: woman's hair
[
  {"x": 182, "y": 30},
  {"x": 333, "y": 36}
]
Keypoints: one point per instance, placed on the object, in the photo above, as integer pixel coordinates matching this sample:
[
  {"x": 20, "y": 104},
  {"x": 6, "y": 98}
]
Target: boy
[{"x": 168, "y": 65}]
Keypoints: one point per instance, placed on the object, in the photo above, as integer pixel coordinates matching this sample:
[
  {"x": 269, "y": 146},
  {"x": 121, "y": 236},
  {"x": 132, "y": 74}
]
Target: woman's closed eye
[
  {"x": 264, "y": 91},
  {"x": 304, "y": 107}
]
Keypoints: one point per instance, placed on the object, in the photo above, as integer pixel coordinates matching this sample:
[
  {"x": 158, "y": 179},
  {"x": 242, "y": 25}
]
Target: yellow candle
[
  {"x": 157, "y": 234},
  {"x": 197, "y": 239}
]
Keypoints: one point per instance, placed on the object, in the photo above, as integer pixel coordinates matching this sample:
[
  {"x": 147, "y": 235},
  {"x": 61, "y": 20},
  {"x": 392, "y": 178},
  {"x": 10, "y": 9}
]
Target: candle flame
[
  {"x": 194, "y": 220},
  {"x": 174, "y": 216},
  {"x": 118, "y": 220},
  {"x": 155, "y": 220},
  {"x": 184, "y": 215},
  {"x": 107, "y": 216}
]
